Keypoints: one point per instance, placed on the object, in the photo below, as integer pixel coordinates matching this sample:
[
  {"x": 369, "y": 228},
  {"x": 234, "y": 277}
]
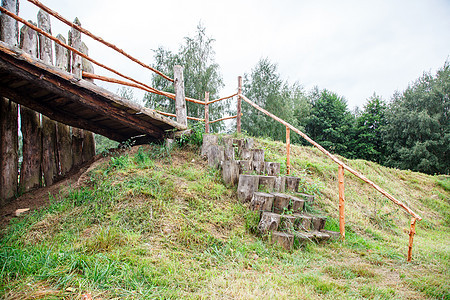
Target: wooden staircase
[{"x": 282, "y": 208}]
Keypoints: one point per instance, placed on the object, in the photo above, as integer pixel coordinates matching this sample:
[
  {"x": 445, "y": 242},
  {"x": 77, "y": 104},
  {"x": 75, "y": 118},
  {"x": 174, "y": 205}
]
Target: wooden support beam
[
  {"x": 180, "y": 101},
  {"x": 206, "y": 112},
  {"x": 412, "y": 232},
  {"x": 288, "y": 151},
  {"x": 239, "y": 102},
  {"x": 30, "y": 172},
  {"x": 9, "y": 158},
  {"x": 341, "y": 202},
  {"x": 60, "y": 116}
]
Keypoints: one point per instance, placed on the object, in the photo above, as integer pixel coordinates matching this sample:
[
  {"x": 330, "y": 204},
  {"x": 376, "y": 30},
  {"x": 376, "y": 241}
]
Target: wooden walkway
[{"x": 62, "y": 97}]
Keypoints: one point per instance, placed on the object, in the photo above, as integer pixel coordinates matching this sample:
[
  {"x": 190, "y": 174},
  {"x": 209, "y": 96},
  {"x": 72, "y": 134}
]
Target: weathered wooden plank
[
  {"x": 180, "y": 100},
  {"x": 60, "y": 116},
  {"x": 30, "y": 172},
  {"x": 8, "y": 114}
]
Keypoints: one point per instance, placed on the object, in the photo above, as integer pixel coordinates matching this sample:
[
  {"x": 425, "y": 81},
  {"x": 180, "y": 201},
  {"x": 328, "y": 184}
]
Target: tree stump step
[
  {"x": 269, "y": 222},
  {"x": 244, "y": 166},
  {"x": 258, "y": 167},
  {"x": 272, "y": 168},
  {"x": 266, "y": 183},
  {"x": 306, "y": 197},
  {"x": 318, "y": 223},
  {"x": 280, "y": 202},
  {"x": 215, "y": 156},
  {"x": 208, "y": 140},
  {"x": 280, "y": 184},
  {"x": 261, "y": 202},
  {"x": 334, "y": 235},
  {"x": 285, "y": 240},
  {"x": 258, "y": 155},
  {"x": 292, "y": 183},
  {"x": 248, "y": 184},
  {"x": 297, "y": 205},
  {"x": 304, "y": 222},
  {"x": 230, "y": 172}
]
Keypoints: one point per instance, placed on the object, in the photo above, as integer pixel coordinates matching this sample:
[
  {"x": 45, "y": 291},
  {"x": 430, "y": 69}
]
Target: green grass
[{"x": 155, "y": 224}]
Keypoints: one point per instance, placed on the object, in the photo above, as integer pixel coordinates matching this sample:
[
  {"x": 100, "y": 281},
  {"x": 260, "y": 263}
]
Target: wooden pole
[
  {"x": 180, "y": 100},
  {"x": 288, "y": 150},
  {"x": 341, "y": 202},
  {"x": 412, "y": 231},
  {"x": 206, "y": 112},
  {"x": 50, "y": 162},
  {"x": 30, "y": 172},
  {"x": 9, "y": 138},
  {"x": 239, "y": 102}
]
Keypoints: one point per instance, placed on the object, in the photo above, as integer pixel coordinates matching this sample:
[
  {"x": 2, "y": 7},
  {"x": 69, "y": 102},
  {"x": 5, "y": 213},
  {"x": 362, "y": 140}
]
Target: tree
[
  {"x": 201, "y": 74},
  {"x": 417, "y": 133},
  {"x": 368, "y": 142},
  {"x": 330, "y": 123},
  {"x": 265, "y": 87}
]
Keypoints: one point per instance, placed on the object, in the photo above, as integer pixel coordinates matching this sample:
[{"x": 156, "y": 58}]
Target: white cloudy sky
[{"x": 352, "y": 47}]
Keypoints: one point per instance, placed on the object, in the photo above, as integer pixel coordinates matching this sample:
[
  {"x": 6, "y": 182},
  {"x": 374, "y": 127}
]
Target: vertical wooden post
[
  {"x": 88, "y": 141},
  {"x": 50, "y": 163},
  {"x": 30, "y": 171},
  {"x": 412, "y": 231},
  {"x": 341, "y": 202},
  {"x": 180, "y": 100},
  {"x": 63, "y": 135},
  {"x": 206, "y": 112},
  {"x": 288, "y": 150},
  {"x": 239, "y": 102},
  {"x": 75, "y": 42},
  {"x": 9, "y": 114}
]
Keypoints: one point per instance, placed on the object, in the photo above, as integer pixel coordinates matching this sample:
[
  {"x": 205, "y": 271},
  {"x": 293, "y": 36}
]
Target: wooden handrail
[
  {"x": 223, "y": 119},
  {"x": 221, "y": 99},
  {"x": 335, "y": 159},
  {"x": 97, "y": 38},
  {"x": 174, "y": 115},
  {"x": 141, "y": 86}
]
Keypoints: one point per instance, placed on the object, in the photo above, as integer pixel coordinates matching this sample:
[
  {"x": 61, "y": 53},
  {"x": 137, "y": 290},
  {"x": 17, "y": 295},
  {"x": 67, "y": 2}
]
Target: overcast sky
[{"x": 354, "y": 48}]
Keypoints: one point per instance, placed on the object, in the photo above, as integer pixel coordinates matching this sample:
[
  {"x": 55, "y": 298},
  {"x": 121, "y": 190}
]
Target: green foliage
[
  {"x": 418, "y": 125},
  {"x": 195, "y": 138},
  {"x": 368, "y": 141},
  {"x": 201, "y": 74},
  {"x": 265, "y": 87},
  {"x": 330, "y": 123}
]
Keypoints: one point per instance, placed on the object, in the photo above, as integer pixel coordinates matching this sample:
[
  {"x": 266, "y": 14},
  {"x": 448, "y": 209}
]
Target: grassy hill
[{"x": 151, "y": 223}]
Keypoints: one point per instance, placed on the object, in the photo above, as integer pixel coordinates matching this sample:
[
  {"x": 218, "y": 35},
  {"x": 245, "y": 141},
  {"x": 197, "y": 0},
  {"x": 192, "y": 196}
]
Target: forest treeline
[{"x": 409, "y": 131}]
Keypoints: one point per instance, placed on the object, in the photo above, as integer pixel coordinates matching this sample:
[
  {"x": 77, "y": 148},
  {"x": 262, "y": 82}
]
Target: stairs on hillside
[{"x": 277, "y": 198}]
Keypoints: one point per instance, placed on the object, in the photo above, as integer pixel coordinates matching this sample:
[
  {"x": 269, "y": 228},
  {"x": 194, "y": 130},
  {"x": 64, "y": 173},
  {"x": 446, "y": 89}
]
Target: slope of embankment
[{"x": 152, "y": 223}]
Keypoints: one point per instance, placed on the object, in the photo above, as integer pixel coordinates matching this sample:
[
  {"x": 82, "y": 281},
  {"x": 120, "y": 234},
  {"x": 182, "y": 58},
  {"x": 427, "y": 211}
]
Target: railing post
[
  {"x": 412, "y": 231},
  {"x": 206, "y": 112},
  {"x": 341, "y": 202},
  {"x": 288, "y": 150},
  {"x": 180, "y": 99},
  {"x": 239, "y": 101}
]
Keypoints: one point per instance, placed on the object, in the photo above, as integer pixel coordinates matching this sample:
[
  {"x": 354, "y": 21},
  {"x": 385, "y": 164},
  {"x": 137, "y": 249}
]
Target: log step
[
  {"x": 285, "y": 240},
  {"x": 261, "y": 202}
]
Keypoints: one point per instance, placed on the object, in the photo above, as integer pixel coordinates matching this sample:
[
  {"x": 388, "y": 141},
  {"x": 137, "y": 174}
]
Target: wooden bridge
[{"x": 62, "y": 97}]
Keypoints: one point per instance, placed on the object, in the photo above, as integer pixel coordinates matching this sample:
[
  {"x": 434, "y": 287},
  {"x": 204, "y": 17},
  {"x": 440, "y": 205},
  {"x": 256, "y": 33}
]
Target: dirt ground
[{"x": 40, "y": 197}]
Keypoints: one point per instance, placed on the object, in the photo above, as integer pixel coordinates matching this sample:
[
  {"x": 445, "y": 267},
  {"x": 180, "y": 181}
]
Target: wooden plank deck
[{"x": 62, "y": 97}]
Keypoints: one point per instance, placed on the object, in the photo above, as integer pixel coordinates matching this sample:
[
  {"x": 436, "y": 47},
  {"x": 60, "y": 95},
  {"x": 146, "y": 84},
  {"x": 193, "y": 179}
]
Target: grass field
[{"x": 149, "y": 223}]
